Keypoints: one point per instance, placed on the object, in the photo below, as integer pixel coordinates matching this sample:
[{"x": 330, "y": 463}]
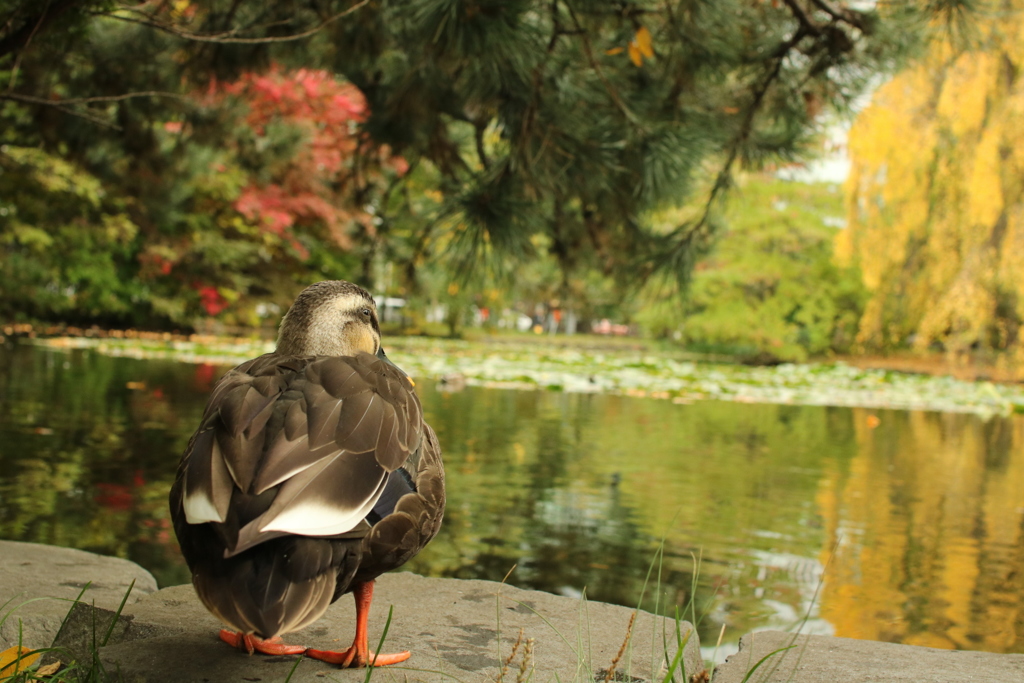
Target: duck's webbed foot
[
  {"x": 353, "y": 657},
  {"x": 360, "y": 653},
  {"x": 250, "y": 643}
]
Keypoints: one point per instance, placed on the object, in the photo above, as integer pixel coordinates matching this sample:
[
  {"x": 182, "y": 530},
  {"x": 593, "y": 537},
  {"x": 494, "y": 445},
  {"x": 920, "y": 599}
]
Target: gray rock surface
[
  {"x": 450, "y": 626},
  {"x": 822, "y": 659},
  {"x": 51, "y": 577},
  {"x": 458, "y": 631}
]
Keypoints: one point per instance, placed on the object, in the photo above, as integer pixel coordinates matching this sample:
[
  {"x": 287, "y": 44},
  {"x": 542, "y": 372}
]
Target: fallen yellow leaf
[
  {"x": 16, "y": 658},
  {"x": 643, "y": 42},
  {"x": 48, "y": 670}
]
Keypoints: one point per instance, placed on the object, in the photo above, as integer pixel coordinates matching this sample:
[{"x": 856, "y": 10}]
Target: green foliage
[
  {"x": 67, "y": 247},
  {"x": 770, "y": 289},
  {"x": 538, "y": 128}
]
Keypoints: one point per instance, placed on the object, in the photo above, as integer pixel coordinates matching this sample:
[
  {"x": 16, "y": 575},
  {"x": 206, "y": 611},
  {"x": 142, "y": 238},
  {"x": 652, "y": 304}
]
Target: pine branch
[
  {"x": 228, "y": 37},
  {"x": 132, "y": 15},
  {"x": 530, "y": 113},
  {"x": 612, "y": 92},
  {"x": 838, "y": 14},
  {"x": 686, "y": 235},
  {"x": 746, "y": 127},
  {"x": 802, "y": 17},
  {"x": 478, "y": 137}
]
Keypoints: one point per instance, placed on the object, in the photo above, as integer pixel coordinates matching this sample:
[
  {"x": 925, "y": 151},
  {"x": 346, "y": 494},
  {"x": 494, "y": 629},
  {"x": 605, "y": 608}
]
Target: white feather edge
[
  {"x": 316, "y": 519},
  {"x": 198, "y": 505},
  {"x": 199, "y": 509}
]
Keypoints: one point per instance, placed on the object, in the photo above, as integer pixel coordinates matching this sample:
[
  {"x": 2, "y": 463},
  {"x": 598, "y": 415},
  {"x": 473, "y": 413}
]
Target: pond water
[{"x": 903, "y": 526}]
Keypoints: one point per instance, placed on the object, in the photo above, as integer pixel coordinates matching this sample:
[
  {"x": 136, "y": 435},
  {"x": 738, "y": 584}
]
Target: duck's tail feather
[{"x": 268, "y": 594}]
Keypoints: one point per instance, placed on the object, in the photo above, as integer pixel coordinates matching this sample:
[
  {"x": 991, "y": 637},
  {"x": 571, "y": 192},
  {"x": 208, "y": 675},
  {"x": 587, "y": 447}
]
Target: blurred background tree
[
  {"x": 215, "y": 155},
  {"x": 770, "y": 290},
  {"x": 936, "y": 197}
]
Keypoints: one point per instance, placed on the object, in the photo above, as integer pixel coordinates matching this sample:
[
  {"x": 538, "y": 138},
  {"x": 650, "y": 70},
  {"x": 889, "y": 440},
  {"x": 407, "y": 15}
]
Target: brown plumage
[{"x": 312, "y": 473}]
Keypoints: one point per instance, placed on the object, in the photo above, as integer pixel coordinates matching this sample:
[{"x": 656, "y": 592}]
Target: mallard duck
[{"x": 311, "y": 474}]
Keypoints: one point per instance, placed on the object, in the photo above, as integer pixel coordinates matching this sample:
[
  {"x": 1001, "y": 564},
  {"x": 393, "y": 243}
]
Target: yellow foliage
[
  {"x": 1012, "y": 260},
  {"x": 965, "y": 92},
  {"x": 936, "y": 194},
  {"x": 984, "y": 189}
]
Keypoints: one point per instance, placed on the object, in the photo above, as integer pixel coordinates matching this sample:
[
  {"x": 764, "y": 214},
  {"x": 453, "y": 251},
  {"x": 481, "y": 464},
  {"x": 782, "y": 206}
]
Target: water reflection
[
  {"x": 929, "y": 520},
  {"x": 578, "y": 492}
]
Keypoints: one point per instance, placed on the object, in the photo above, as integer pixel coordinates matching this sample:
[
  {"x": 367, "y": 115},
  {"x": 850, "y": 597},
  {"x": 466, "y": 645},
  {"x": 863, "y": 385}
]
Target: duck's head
[{"x": 330, "y": 318}]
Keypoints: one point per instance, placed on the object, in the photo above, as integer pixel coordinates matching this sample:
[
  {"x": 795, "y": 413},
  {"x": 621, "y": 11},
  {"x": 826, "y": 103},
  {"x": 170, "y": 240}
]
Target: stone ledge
[
  {"x": 825, "y": 659},
  {"x": 51, "y": 577},
  {"x": 451, "y": 626}
]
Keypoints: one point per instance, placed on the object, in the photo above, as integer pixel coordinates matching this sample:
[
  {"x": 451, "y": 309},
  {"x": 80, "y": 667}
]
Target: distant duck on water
[{"x": 311, "y": 474}]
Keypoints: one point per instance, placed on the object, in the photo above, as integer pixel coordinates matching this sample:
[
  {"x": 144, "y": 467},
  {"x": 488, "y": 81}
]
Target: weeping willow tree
[{"x": 936, "y": 196}]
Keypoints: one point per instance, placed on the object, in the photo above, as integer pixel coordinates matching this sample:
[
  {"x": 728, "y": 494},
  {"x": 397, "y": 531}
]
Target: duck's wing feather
[{"x": 299, "y": 445}]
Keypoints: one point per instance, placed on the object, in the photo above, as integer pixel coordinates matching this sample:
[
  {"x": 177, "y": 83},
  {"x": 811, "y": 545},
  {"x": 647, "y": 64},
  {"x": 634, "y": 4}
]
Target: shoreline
[{"x": 629, "y": 371}]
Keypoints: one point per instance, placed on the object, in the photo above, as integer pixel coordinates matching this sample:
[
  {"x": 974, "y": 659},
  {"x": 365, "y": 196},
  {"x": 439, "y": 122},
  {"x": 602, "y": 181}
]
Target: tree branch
[
  {"x": 842, "y": 14},
  {"x": 29, "y": 99},
  {"x": 67, "y": 106},
  {"x": 612, "y": 92},
  {"x": 228, "y": 36},
  {"x": 478, "y": 136},
  {"x": 80, "y": 113},
  {"x": 48, "y": 14},
  {"x": 746, "y": 127},
  {"x": 801, "y": 16},
  {"x": 17, "y": 57}
]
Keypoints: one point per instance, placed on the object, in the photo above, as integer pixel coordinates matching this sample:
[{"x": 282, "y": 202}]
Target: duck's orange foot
[
  {"x": 352, "y": 657},
  {"x": 250, "y": 643}
]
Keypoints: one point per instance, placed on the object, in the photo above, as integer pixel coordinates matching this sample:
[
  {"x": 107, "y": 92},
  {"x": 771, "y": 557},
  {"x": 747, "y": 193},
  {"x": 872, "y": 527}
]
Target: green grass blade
[
  {"x": 294, "y": 667},
  {"x": 380, "y": 645},
  {"x": 546, "y": 621},
  {"x": 31, "y": 600},
  {"x": 669, "y": 675},
  {"x": 763, "y": 660},
  {"x": 117, "y": 614}
]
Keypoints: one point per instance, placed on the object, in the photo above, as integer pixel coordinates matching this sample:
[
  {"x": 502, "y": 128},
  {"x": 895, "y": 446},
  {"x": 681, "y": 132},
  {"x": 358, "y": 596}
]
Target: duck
[{"x": 312, "y": 472}]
